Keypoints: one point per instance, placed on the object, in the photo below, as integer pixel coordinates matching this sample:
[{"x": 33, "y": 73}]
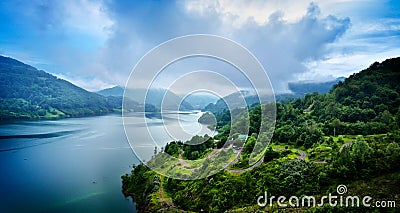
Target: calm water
[{"x": 70, "y": 165}]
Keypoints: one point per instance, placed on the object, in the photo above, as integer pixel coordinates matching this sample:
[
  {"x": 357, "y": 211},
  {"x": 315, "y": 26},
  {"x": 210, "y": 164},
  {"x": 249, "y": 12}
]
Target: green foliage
[
  {"x": 28, "y": 93},
  {"x": 366, "y": 104},
  {"x": 367, "y": 158},
  {"x": 340, "y": 139},
  {"x": 222, "y": 140},
  {"x": 249, "y": 145},
  {"x": 173, "y": 148},
  {"x": 362, "y": 151},
  {"x": 197, "y": 147},
  {"x": 393, "y": 156},
  {"x": 140, "y": 184},
  {"x": 270, "y": 154},
  {"x": 293, "y": 173}
]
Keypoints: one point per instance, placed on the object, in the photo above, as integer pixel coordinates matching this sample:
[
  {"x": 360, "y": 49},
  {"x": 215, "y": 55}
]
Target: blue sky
[{"x": 95, "y": 44}]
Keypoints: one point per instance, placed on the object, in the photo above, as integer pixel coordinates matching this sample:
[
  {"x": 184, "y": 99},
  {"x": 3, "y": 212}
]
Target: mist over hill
[
  {"x": 298, "y": 90},
  {"x": 155, "y": 97}
]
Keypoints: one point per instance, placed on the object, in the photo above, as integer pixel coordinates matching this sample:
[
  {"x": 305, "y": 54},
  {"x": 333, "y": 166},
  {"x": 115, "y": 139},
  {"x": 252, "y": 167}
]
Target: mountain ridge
[
  {"x": 28, "y": 93},
  {"x": 156, "y": 96},
  {"x": 299, "y": 89},
  {"x": 160, "y": 98}
]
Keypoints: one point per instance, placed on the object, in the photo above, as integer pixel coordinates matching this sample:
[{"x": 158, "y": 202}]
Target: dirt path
[
  {"x": 345, "y": 144},
  {"x": 302, "y": 156},
  {"x": 246, "y": 169},
  {"x": 163, "y": 198}
]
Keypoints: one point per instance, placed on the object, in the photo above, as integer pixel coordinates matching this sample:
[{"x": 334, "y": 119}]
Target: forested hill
[
  {"x": 29, "y": 93},
  {"x": 300, "y": 89},
  {"x": 349, "y": 136},
  {"x": 365, "y": 103},
  {"x": 376, "y": 87}
]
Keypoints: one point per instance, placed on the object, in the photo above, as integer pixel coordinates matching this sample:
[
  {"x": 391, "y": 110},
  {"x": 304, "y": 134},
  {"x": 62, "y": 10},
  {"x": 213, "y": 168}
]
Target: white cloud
[
  {"x": 345, "y": 64},
  {"x": 103, "y": 40},
  {"x": 93, "y": 84},
  {"x": 87, "y": 17},
  {"x": 296, "y": 34},
  {"x": 238, "y": 12},
  {"x": 284, "y": 47},
  {"x": 296, "y": 41}
]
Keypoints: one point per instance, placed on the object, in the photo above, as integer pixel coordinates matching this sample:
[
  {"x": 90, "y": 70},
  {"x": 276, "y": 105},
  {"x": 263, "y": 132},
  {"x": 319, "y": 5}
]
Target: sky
[{"x": 96, "y": 44}]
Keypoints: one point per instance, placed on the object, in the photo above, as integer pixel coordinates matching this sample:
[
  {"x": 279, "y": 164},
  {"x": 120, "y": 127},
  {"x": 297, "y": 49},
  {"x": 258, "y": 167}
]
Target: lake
[{"x": 74, "y": 165}]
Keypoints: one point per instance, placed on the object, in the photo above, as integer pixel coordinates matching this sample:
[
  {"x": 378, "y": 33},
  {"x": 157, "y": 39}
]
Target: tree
[
  {"x": 293, "y": 174},
  {"x": 330, "y": 141},
  {"x": 155, "y": 150},
  {"x": 385, "y": 117},
  {"x": 270, "y": 154},
  {"x": 222, "y": 141},
  {"x": 336, "y": 125},
  {"x": 393, "y": 155},
  {"x": 340, "y": 139},
  {"x": 361, "y": 151},
  {"x": 285, "y": 134},
  {"x": 398, "y": 117},
  {"x": 249, "y": 145}
]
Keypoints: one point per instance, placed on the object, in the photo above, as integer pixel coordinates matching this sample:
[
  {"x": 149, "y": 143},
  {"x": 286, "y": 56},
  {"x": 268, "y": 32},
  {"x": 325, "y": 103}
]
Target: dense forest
[
  {"x": 348, "y": 136},
  {"x": 29, "y": 93}
]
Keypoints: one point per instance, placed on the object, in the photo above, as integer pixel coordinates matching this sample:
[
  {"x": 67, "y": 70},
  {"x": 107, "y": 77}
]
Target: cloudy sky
[{"x": 96, "y": 44}]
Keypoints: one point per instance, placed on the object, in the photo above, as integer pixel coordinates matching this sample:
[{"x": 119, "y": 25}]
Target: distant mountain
[
  {"x": 113, "y": 91},
  {"x": 300, "y": 89},
  {"x": 213, "y": 104},
  {"x": 29, "y": 93},
  {"x": 235, "y": 100},
  {"x": 117, "y": 92},
  {"x": 199, "y": 101},
  {"x": 155, "y": 97}
]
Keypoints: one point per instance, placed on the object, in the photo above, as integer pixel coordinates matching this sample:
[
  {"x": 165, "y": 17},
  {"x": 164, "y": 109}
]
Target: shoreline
[
  {"x": 10, "y": 121},
  {"x": 119, "y": 113}
]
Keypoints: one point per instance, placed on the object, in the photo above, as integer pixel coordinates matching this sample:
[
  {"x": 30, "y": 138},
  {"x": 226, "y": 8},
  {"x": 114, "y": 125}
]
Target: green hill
[
  {"x": 113, "y": 91},
  {"x": 365, "y": 103},
  {"x": 300, "y": 89},
  {"x": 29, "y": 93},
  {"x": 376, "y": 87},
  {"x": 349, "y": 136}
]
